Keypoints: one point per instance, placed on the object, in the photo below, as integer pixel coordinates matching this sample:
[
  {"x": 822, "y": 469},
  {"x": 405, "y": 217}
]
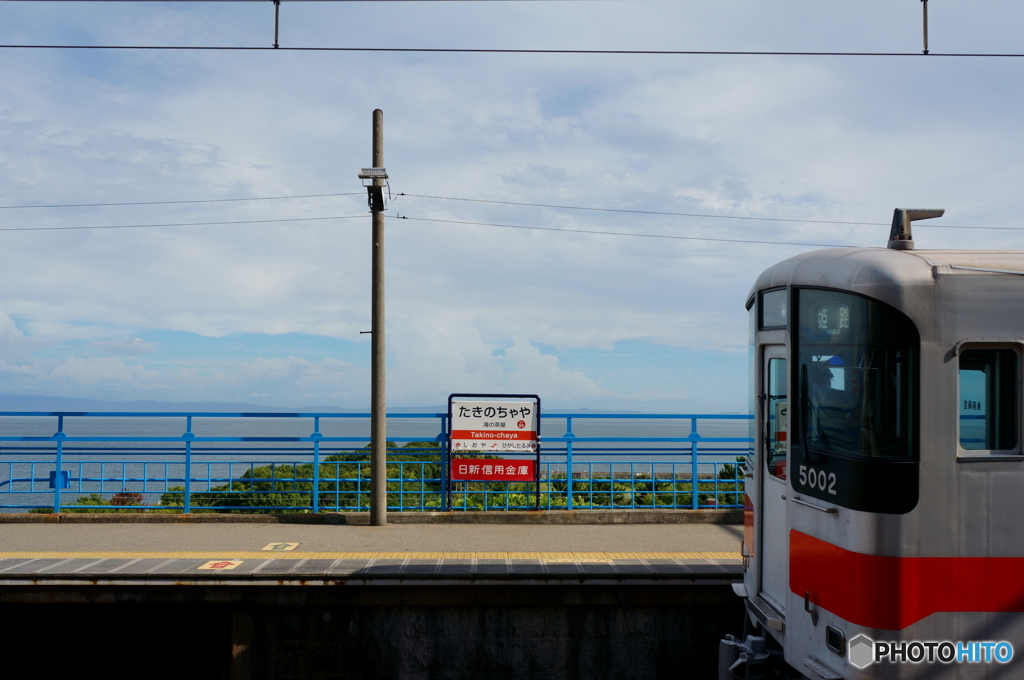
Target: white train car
[{"x": 884, "y": 535}]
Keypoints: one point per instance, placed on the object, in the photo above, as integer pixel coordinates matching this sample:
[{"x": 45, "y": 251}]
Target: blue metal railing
[{"x": 247, "y": 462}]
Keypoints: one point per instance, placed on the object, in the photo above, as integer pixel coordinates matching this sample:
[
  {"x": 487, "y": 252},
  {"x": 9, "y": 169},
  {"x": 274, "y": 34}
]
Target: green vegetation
[
  {"x": 620, "y": 491},
  {"x": 345, "y": 482},
  {"x": 119, "y": 502},
  {"x": 345, "y": 485}
]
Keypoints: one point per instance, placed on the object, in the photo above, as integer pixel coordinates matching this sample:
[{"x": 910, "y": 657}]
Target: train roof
[{"x": 883, "y": 272}]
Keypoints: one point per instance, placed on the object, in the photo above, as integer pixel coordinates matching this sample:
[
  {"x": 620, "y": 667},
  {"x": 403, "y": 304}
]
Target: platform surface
[{"x": 310, "y": 554}]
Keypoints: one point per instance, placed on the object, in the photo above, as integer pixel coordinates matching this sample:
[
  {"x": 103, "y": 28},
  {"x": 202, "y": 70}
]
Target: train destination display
[{"x": 832, "y": 319}]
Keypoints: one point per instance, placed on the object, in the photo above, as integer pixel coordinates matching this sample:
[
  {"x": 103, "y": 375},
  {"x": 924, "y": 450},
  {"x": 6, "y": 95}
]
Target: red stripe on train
[{"x": 894, "y": 592}]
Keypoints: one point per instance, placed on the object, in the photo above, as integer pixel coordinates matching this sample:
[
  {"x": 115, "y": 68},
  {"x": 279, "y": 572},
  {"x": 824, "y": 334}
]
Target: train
[{"x": 884, "y": 491}]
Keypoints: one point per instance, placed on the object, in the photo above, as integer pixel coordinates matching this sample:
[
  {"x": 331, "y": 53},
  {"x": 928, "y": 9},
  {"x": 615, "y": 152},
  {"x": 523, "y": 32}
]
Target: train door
[{"x": 774, "y": 535}]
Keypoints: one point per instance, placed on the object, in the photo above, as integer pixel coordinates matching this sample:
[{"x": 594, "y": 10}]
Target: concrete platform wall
[{"x": 524, "y": 632}]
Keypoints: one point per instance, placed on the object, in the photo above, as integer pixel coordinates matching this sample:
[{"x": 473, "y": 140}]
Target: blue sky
[{"x": 270, "y": 313}]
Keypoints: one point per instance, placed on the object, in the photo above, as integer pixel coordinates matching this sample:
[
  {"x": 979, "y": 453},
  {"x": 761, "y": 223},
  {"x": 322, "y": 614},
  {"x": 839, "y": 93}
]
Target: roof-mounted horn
[{"x": 900, "y": 237}]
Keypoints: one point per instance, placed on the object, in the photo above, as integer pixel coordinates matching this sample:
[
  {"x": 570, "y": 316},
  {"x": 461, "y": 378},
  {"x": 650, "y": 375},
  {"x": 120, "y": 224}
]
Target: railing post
[
  {"x": 57, "y": 477},
  {"x": 695, "y": 503},
  {"x": 316, "y": 464},
  {"x": 442, "y": 441},
  {"x": 568, "y": 463},
  {"x": 188, "y": 437}
]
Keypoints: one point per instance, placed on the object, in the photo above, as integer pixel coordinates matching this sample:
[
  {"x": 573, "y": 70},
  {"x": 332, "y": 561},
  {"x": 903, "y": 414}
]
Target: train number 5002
[{"x": 818, "y": 479}]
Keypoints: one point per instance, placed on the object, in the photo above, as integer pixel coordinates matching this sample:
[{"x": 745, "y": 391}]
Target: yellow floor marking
[
  {"x": 720, "y": 556},
  {"x": 280, "y": 546},
  {"x": 601, "y": 556},
  {"x": 251, "y": 555}
]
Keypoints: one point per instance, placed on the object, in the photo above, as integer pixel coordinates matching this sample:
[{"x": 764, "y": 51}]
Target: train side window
[
  {"x": 777, "y": 418},
  {"x": 989, "y": 385}
]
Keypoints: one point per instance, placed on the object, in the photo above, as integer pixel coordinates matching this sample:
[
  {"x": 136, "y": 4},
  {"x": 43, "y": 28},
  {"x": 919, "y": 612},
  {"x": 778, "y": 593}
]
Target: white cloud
[
  {"x": 807, "y": 138},
  {"x": 99, "y": 370},
  {"x": 537, "y": 373},
  {"x": 133, "y": 347},
  {"x": 675, "y": 395},
  {"x": 14, "y": 343},
  {"x": 431, "y": 363},
  {"x": 293, "y": 369},
  {"x": 8, "y": 370}
]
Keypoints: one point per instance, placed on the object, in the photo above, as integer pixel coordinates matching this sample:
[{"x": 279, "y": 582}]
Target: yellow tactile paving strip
[{"x": 261, "y": 555}]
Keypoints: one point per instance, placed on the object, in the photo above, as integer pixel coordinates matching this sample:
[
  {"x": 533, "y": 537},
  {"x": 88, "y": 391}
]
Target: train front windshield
[{"x": 856, "y": 365}]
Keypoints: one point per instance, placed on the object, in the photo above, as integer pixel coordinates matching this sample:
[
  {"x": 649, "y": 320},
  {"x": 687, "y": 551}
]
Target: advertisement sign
[
  {"x": 492, "y": 426},
  {"x": 489, "y": 470}
]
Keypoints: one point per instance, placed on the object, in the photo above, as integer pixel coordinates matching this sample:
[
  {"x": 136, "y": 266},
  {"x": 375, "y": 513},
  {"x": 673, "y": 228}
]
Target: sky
[{"x": 270, "y": 313}]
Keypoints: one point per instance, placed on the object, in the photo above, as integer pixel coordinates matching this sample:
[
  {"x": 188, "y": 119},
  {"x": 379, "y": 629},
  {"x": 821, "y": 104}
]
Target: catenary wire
[
  {"x": 460, "y": 222},
  {"x": 621, "y": 233},
  {"x": 207, "y": 200},
  {"x": 644, "y": 212},
  {"x": 444, "y": 198},
  {"x": 702, "y": 215},
  {"x": 421, "y": 219},
  {"x": 482, "y": 50},
  {"x": 181, "y": 224}
]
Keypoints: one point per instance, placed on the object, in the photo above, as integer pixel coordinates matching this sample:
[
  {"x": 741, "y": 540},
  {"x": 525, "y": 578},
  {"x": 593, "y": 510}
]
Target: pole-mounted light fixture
[{"x": 375, "y": 192}]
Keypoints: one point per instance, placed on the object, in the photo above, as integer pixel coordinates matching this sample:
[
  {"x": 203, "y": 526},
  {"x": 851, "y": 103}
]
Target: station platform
[
  {"x": 283, "y": 554},
  {"x": 278, "y": 601}
]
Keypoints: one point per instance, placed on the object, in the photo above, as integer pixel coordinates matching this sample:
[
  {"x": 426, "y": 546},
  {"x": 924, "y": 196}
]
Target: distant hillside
[{"x": 21, "y": 402}]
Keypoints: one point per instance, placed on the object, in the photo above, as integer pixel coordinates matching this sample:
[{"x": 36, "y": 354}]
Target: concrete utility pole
[
  {"x": 924, "y": 5},
  {"x": 277, "y": 22},
  {"x": 378, "y": 401}
]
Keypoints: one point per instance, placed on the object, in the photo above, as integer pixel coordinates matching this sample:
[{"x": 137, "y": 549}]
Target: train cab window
[
  {"x": 773, "y": 309},
  {"x": 854, "y": 424},
  {"x": 988, "y": 399},
  {"x": 857, "y": 376}
]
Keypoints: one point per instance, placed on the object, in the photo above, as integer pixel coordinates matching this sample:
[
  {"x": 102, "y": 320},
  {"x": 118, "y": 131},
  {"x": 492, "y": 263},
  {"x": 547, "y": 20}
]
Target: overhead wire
[
  {"x": 422, "y": 219},
  {"x": 419, "y": 219},
  {"x": 643, "y": 212},
  {"x": 484, "y": 50},
  {"x": 624, "y": 233},
  {"x": 702, "y": 215},
  {"x": 449, "y": 198},
  {"x": 205, "y": 200},
  {"x": 181, "y": 224}
]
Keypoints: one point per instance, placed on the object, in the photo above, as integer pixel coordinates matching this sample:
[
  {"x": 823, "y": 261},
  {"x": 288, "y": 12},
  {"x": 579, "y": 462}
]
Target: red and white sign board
[
  {"x": 477, "y": 470},
  {"x": 493, "y": 426},
  {"x": 221, "y": 564}
]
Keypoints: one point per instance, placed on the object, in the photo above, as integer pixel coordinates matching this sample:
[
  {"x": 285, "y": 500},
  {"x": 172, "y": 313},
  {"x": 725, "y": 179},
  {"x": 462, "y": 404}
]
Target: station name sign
[
  {"x": 493, "y": 438},
  {"x": 494, "y": 426}
]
